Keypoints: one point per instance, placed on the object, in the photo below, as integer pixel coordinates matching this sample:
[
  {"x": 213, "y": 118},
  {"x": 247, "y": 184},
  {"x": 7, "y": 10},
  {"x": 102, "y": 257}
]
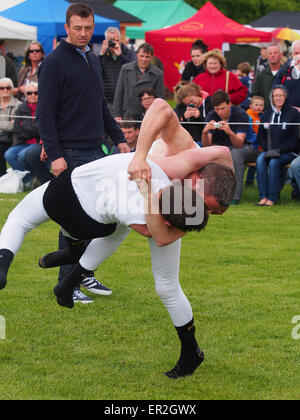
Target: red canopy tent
[{"x": 172, "y": 45}]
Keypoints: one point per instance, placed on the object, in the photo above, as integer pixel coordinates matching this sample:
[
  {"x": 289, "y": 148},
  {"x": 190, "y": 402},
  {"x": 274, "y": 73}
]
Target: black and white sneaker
[
  {"x": 92, "y": 285},
  {"x": 79, "y": 297}
]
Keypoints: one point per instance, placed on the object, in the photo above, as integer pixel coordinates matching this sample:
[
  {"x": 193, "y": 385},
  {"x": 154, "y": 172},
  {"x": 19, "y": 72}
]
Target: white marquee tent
[
  {"x": 6, "y": 4},
  {"x": 10, "y": 29},
  {"x": 17, "y": 35}
]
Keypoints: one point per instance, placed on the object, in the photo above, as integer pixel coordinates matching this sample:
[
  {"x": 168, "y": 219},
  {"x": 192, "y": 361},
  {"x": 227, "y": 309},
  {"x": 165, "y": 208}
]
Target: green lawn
[{"x": 241, "y": 276}]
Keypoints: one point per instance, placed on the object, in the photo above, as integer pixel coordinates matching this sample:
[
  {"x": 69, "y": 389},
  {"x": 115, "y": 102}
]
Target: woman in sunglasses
[
  {"x": 34, "y": 55},
  {"x": 26, "y": 133},
  {"x": 8, "y": 107}
]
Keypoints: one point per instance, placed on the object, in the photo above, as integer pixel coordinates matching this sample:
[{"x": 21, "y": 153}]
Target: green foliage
[
  {"x": 241, "y": 277},
  {"x": 247, "y": 12}
]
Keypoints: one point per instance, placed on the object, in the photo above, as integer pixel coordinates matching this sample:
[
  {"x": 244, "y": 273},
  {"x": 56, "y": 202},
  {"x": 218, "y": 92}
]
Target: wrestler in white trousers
[{"x": 30, "y": 213}]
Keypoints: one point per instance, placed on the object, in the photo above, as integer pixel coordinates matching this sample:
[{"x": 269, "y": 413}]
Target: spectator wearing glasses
[
  {"x": 34, "y": 55},
  {"x": 8, "y": 106},
  {"x": 26, "y": 132},
  {"x": 147, "y": 97}
]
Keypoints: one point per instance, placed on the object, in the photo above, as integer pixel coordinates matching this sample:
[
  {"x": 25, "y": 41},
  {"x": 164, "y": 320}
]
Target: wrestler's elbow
[
  {"x": 160, "y": 243},
  {"x": 142, "y": 230}
]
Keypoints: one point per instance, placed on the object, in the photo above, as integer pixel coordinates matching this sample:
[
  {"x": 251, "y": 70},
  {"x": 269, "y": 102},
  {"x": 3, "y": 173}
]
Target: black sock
[
  {"x": 6, "y": 258},
  {"x": 72, "y": 280},
  {"x": 67, "y": 256},
  {"x": 190, "y": 356},
  {"x": 64, "y": 289}
]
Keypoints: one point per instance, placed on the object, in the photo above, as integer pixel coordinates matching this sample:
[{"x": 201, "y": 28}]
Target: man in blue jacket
[{"x": 73, "y": 116}]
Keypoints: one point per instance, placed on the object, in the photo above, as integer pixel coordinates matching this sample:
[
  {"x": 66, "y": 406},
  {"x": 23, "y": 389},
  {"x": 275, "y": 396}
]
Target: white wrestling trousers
[
  {"x": 27, "y": 215},
  {"x": 165, "y": 268},
  {"x": 30, "y": 213}
]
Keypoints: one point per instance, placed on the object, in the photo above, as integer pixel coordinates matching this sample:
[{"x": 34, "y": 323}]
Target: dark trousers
[
  {"x": 40, "y": 169},
  {"x": 75, "y": 158},
  {"x": 3, "y": 148}
]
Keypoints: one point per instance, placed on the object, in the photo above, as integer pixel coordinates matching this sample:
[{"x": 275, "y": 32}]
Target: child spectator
[
  {"x": 255, "y": 112},
  {"x": 243, "y": 73}
]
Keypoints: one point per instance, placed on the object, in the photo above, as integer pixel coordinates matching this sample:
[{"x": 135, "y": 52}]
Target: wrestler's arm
[
  {"x": 162, "y": 233},
  {"x": 142, "y": 230},
  {"x": 189, "y": 161},
  {"x": 160, "y": 120}
]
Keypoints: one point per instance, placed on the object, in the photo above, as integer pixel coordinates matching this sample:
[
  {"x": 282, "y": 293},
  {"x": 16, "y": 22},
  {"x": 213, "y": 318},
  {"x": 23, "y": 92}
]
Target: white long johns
[
  {"x": 27, "y": 215},
  {"x": 101, "y": 248},
  {"x": 165, "y": 268}
]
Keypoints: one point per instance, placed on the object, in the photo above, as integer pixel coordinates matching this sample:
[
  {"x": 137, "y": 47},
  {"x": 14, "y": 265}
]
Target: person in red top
[{"x": 217, "y": 77}]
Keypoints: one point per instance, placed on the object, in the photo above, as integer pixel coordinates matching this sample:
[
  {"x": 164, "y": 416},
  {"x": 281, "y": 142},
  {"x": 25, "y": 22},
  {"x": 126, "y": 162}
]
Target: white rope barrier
[
  {"x": 230, "y": 123},
  {"x": 181, "y": 122}
]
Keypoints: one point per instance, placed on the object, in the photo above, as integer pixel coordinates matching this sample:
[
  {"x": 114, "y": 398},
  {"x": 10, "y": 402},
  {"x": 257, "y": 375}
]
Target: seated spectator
[
  {"x": 37, "y": 160},
  {"x": 146, "y": 97},
  {"x": 8, "y": 107},
  {"x": 131, "y": 132},
  {"x": 34, "y": 56},
  {"x": 195, "y": 66},
  {"x": 255, "y": 113},
  {"x": 279, "y": 142},
  {"x": 243, "y": 73},
  {"x": 193, "y": 106},
  {"x": 216, "y": 77},
  {"x": 220, "y": 131},
  {"x": 26, "y": 132}
]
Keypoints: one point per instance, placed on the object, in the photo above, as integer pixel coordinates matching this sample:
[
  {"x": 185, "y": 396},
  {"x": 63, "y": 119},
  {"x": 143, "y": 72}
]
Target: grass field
[{"x": 241, "y": 276}]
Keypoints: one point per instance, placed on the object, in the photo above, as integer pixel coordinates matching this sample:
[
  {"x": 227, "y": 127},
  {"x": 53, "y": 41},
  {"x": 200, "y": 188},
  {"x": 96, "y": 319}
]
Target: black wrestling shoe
[
  {"x": 6, "y": 257},
  {"x": 188, "y": 367},
  {"x": 63, "y": 299}
]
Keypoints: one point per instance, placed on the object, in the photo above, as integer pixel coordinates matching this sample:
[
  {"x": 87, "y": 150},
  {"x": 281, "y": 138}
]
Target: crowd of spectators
[
  {"x": 20, "y": 143},
  {"x": 251, "y": 111},
  {"x": 256, "y": 114}
]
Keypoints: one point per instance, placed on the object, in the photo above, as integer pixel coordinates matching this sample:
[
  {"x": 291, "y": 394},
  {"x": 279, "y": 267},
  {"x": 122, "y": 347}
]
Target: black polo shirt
[{"x": 238, "y": 115}]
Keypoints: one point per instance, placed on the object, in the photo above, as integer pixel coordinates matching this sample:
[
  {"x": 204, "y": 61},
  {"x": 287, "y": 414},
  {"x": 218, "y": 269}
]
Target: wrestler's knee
[
  {"x": 162, "y": 107},
  {"x": 166, "y": 292}
]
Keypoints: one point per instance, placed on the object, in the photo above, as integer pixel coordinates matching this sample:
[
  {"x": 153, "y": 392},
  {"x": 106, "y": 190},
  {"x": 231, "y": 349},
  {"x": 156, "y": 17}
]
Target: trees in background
[{"x": 246, "y": 11}]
